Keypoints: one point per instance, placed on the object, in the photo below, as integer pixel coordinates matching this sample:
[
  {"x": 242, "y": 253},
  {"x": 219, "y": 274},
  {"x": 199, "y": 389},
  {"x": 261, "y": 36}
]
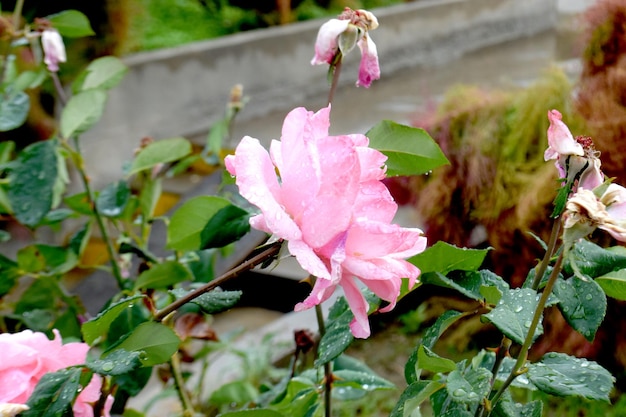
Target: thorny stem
[
  {"x": 523, "y": 354},
  {"x": 328, "y": 375},
  {"x": 543, "y": 266},
  {"x": 266, "y": 254}
]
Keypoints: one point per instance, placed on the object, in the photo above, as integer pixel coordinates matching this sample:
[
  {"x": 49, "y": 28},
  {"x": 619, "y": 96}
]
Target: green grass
[{"x": 158, "y": 24}]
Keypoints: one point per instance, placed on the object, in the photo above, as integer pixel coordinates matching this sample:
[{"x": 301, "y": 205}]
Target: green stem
[
  {"x": 328, "y": 375},
  {"x": 17, "y": 13},
  {"x": 543, "y": 266},
  {"x": 188, "y": 410},
  {"x": 523, "y": 354},
  {"x": 105, "y": 236},
  {"x": 336, "y": 71},
  {"x": 266, "y": 254}
]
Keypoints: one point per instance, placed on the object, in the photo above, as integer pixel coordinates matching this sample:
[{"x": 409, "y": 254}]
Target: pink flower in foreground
[
  {"x": 339, "y": 36},
  {"x": 27, "y": 356},
  {"x": 53, "y": 49},
  {"x": 331, "y": 207},
  {"x": 576, "y": 158}
]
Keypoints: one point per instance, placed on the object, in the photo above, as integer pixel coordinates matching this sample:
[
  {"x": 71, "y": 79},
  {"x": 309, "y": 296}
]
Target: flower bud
[{"x": 53, "y": 49}]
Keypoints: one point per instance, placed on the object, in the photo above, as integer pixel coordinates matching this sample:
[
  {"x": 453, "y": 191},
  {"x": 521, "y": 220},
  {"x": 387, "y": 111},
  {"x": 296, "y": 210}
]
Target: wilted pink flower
[
  {"x": 28, "y": 355},
  {"x": 53, "y": 49},
  {"x": 584, "y": 212},
  {"x": 576, "y": 158},
  {"x": 331, "y": 207},
  {"x": 341, "y": 35}
]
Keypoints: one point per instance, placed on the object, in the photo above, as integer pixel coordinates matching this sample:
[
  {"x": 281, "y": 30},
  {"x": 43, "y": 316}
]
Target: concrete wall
[{"x": 182, "y": 91}]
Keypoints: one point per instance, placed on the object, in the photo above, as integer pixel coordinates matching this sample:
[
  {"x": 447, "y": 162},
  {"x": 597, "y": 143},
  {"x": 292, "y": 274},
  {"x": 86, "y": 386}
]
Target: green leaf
[
  {"x": 9, "y": 274},
  {"x": 81, "y": 112},
  {"x": 214, "y": 301},
  {"x": 29, "y": 79},
  {"x": 54, "y": 394},
  {"x": 257, "y": 412},
  {"x": 99, "y": 325},
  {"x": 156, "y": 340},
  {"x": 514, "y": 312},
  {"x": 469, "y": 387},
  {"x": 228, "y": 225},
  {"x": 443, "y": 257},
  {"x": 14, "y": 107},
  {"x": 160, "y": 152},
  {"x": 410, "y": 150},
  {"x": 46, "y": 259},
  {"x": 187, "y": 223},
  {"x": 563, "y": 375},
  {"x": 71, "y": 23},
  {"x": 504, "y": 371},
  {"x": 236, "y": 392},
  {"x": 118, "y": 362},
  {"x": 430, "y": 361},
  {"x": 149, "y": 197},
  {"x": 430, "y": 337},
  {"x": 470, "y": 284},
  {"x": 163, "y": 275},
  {"x": 506, "y": 407},
  {"x": 582, "y": 303},
  {"x": 31, "y": 182},
  {"x": 413, "y": 396},
  {"x": 7, "y": 148},
  {"x": 78, "y": 241},
  {"x": 338, "y": 336},
  {"x": 113, "y": 199},
  {"x": 594, "y": 260},
  {"x": 614, "y": 284},
  {"x": 300, "y": 398},
  {"x": 103, "y": 73}
]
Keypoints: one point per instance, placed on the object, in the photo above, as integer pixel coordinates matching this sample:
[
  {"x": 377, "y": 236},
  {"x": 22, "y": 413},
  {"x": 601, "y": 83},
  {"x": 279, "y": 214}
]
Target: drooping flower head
[
  {"x": 53, "y": 49},
  {"x": 27, "y": 356},
  {"x": 331, "y": 207},
  {"x": 337, "y": 37},
  {"x": 585, "y": 211},
  {"x": 575, "y": 158}
]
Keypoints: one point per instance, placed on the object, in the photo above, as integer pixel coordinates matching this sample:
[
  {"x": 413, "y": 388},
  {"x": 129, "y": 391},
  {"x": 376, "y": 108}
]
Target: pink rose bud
[
  {"x": 575, "y": 158},
  {"x": 53, "y": 49}
]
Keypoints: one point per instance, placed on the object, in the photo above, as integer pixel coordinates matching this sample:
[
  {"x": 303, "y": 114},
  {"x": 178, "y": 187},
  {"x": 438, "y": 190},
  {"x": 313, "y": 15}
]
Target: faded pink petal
[
  {"x": 560, "y": 139},
  {"x": 53, "y": 49},
  {"x": 369, "y": 69},
  {"x": 326, "y": 45}
]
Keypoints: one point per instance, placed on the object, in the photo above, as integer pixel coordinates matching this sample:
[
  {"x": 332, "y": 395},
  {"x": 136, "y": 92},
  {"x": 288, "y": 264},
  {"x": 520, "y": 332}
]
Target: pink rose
[
  {"x": 331, "y": 207},
  {"x": 340, "y": 36},
  {"x": 27, "y": 356},
  {"x": 576, "y": 158},
  {"x": 53, "y": 49}
]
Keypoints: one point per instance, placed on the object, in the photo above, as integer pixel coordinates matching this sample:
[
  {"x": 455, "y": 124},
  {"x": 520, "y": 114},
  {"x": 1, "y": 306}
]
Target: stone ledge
[{"x": 182, "y": 91}]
